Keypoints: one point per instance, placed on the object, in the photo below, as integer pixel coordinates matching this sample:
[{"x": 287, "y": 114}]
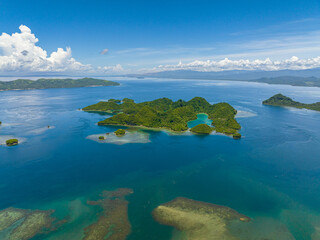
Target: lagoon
[{"x": 202, "y": 118}]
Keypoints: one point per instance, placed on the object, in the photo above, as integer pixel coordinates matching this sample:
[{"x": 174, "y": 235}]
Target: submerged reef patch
[
  {"x": 132, "y": 136},
  {"x": 41, "y": 130},
  {"x": 245, "y": 114},
  {"x": 113, "y": 223},
  {"x": 25, "y": 223},
  {"x": 198, "y": 220},
  {"x": 9, "y": 216}
]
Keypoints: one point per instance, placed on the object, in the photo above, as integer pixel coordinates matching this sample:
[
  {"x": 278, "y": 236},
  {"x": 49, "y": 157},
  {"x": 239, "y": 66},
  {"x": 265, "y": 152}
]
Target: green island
[
  {"x": 236, "y": 136},
  {"x": 43, "y": 83},
  {"x": 167, "y": 114},
  {"x": 283, "y": 101},
  {"x": 12, "y": 142},
  {"x": 202, "y": 129},
  {"x": 101, "y": 138},
  {"x": 120, "y": 132}
]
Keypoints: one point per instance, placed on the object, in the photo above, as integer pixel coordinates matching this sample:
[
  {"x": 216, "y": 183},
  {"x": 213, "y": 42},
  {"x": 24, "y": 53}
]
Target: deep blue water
[{"x": 272, "y": 174}]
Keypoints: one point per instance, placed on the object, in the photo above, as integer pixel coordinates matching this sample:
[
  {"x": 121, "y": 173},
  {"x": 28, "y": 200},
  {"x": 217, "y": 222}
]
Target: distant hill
[
  {"x": 231, "y": 74},
  {"x": 283, "y": 101},
  {"x": 308, "y": 78},
  {"x": 43, "y": 83},
  {"x": 294, "y": 81}
]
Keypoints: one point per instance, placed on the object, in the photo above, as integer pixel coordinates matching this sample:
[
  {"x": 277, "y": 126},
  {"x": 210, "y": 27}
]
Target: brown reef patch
[
  {"x": 9, "y": 216},
  {"x": 198, "y": 220},
  {"x": 33, "y": 222},
  {"x": 113, "y": 223}
]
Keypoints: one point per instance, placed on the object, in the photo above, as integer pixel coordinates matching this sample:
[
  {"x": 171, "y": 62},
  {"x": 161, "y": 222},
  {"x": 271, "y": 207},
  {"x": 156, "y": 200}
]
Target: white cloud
[
  {"x": 104, "y": 51},
  {"x": 20, "y": 54},
  {"x": 294, "y": 63},
  {"x": 117, "y": 68}
]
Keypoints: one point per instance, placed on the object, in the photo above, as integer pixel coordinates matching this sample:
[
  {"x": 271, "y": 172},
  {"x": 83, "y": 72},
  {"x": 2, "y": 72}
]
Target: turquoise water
[
  {"x": 202, "y": 118},
  {"x": 272, "y": 174}
]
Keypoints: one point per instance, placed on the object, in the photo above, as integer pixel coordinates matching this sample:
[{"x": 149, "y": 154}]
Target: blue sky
[{"x": 141, "y": 35}]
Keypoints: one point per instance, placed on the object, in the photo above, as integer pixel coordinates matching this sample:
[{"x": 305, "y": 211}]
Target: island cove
[{"x": 164, "y": 113}]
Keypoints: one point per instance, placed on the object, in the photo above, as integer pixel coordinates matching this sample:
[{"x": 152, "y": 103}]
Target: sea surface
[{"x": 271, "y": 175}]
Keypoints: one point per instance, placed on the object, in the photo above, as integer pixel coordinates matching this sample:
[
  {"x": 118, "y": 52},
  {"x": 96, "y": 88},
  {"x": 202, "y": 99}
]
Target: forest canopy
[
  {"x": 165, "y": 113},
  {"x": 281, "y": 100},
  {"x": 43, "y": 83}
]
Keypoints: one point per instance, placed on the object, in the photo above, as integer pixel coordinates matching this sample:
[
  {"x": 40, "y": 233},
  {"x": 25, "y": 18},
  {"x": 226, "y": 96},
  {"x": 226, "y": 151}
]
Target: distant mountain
[
  {"x": 243, "y": 75},
  {"x": 293, "y": 81},
  {"x": 308, "y": 78},
  {"x": 24, "y": 84}
]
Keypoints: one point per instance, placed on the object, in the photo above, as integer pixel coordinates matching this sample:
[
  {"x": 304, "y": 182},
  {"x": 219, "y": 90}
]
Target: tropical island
[
  {"x": 44, "y": 83},
  {"x": 167, "y": 114},
  {"x": 120, "y": 132},
  {"x": 202, "y": 129},
  {"x": 12, "y": 142},
  {"x": 283, "y": 101}
]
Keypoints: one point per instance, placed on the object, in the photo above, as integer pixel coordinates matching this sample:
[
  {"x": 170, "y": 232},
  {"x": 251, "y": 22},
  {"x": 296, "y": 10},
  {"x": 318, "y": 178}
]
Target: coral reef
[
  {"x": 113, "y": 223},
  {"x": 9, "y": 216},
  {"x": 198, "y": 220},
  {"x": 131, "y": 136},
  {"x": 33, "y": 223}
]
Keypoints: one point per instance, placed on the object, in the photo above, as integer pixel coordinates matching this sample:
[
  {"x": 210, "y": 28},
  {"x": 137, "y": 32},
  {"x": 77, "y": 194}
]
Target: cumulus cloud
[
  {"x": 21, "y": 54},
  {"x": 104, "y": 51},
  {"x": 293, "y": 63}
]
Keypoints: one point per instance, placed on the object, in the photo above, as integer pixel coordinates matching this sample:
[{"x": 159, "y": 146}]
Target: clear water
[
  {"x": 202, "y": 118},
  {"x": 271, "y": 175}
]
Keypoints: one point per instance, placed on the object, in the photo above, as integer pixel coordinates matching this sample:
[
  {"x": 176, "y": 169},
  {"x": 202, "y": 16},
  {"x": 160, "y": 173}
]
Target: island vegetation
[
  {"x": 202, "y": 129},
  {"x": 43, "y": 83},
  {"x": 236, "y": 136},
  {"x": 165, "y": 113},
  {"x": 283, "y": 101},
  {"x": 101, "y": 137},
  {"x": 120, "y": 132},
  {"x": 12, "y": 142}
]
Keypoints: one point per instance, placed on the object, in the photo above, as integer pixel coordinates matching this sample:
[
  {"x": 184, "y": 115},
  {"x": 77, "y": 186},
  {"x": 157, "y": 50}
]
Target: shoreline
[
  {"x": 24, "y": 89},
  {"x": 166, "y": 130}
]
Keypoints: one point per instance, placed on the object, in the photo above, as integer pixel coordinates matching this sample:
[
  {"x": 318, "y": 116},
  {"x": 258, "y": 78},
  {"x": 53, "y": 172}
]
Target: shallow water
[
  {"x": 271, "y": 175},
  {"x": 202, "y": 118}
]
